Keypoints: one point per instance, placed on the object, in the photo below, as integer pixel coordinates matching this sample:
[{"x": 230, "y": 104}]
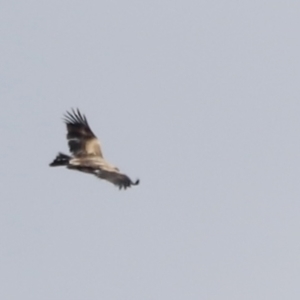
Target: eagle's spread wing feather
[{"x": 81, "y": 139}]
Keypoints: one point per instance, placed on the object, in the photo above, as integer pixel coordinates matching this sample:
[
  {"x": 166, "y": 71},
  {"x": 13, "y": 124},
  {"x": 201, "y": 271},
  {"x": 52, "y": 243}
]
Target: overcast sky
[{"x": 198, "y": 99}]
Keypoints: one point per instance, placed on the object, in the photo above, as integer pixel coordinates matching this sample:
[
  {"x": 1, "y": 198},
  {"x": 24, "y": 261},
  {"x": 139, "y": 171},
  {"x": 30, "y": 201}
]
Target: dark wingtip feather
[
  {"x": 74, "y": 116},
  {"x": 136, "y": 182},
  {"x": 127, "y": 183}
]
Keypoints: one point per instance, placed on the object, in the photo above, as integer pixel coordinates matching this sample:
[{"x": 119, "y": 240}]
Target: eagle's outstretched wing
[
  {"x": 82, "y": 141},
  {"x": 102, "y": 169},
  {"x": 117, "y": 178}
]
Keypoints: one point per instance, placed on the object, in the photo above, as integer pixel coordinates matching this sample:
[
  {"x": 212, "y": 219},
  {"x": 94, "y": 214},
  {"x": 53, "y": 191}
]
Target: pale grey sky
[{"x": 198, "y": 99}]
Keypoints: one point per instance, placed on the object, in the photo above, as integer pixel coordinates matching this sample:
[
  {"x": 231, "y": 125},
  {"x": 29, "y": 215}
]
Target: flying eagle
[{"x": 87, "y": 154}]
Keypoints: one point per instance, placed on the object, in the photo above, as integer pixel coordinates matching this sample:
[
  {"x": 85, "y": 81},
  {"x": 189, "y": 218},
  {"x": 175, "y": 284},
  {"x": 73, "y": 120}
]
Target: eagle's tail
[{"x": 60, "y": 160}]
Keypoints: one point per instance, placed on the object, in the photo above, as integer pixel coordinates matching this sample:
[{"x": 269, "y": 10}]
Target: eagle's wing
[
  {"x": 82, "y": 141},
  {"x": 117, "y": 178},
  {"x": 102, "y": 169}
]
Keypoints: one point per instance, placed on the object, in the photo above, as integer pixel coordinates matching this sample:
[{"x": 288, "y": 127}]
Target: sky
[{"x": 197, "y": 99}]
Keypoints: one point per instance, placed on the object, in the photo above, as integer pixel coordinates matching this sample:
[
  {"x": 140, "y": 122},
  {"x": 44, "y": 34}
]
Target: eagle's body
[{"x": 87, "y": 155}]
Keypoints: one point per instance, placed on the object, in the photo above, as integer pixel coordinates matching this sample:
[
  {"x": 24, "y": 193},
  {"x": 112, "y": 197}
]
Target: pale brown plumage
[{"x": 87, "y": 154}]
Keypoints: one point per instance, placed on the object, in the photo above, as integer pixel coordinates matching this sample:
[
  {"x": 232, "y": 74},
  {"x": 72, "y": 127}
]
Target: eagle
[{"x": 86, "y": 152}]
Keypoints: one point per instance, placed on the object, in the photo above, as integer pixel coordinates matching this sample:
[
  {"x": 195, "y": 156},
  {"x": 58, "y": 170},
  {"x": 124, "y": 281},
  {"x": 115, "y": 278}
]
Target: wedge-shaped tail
[{"x": 60, "y": 160}]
